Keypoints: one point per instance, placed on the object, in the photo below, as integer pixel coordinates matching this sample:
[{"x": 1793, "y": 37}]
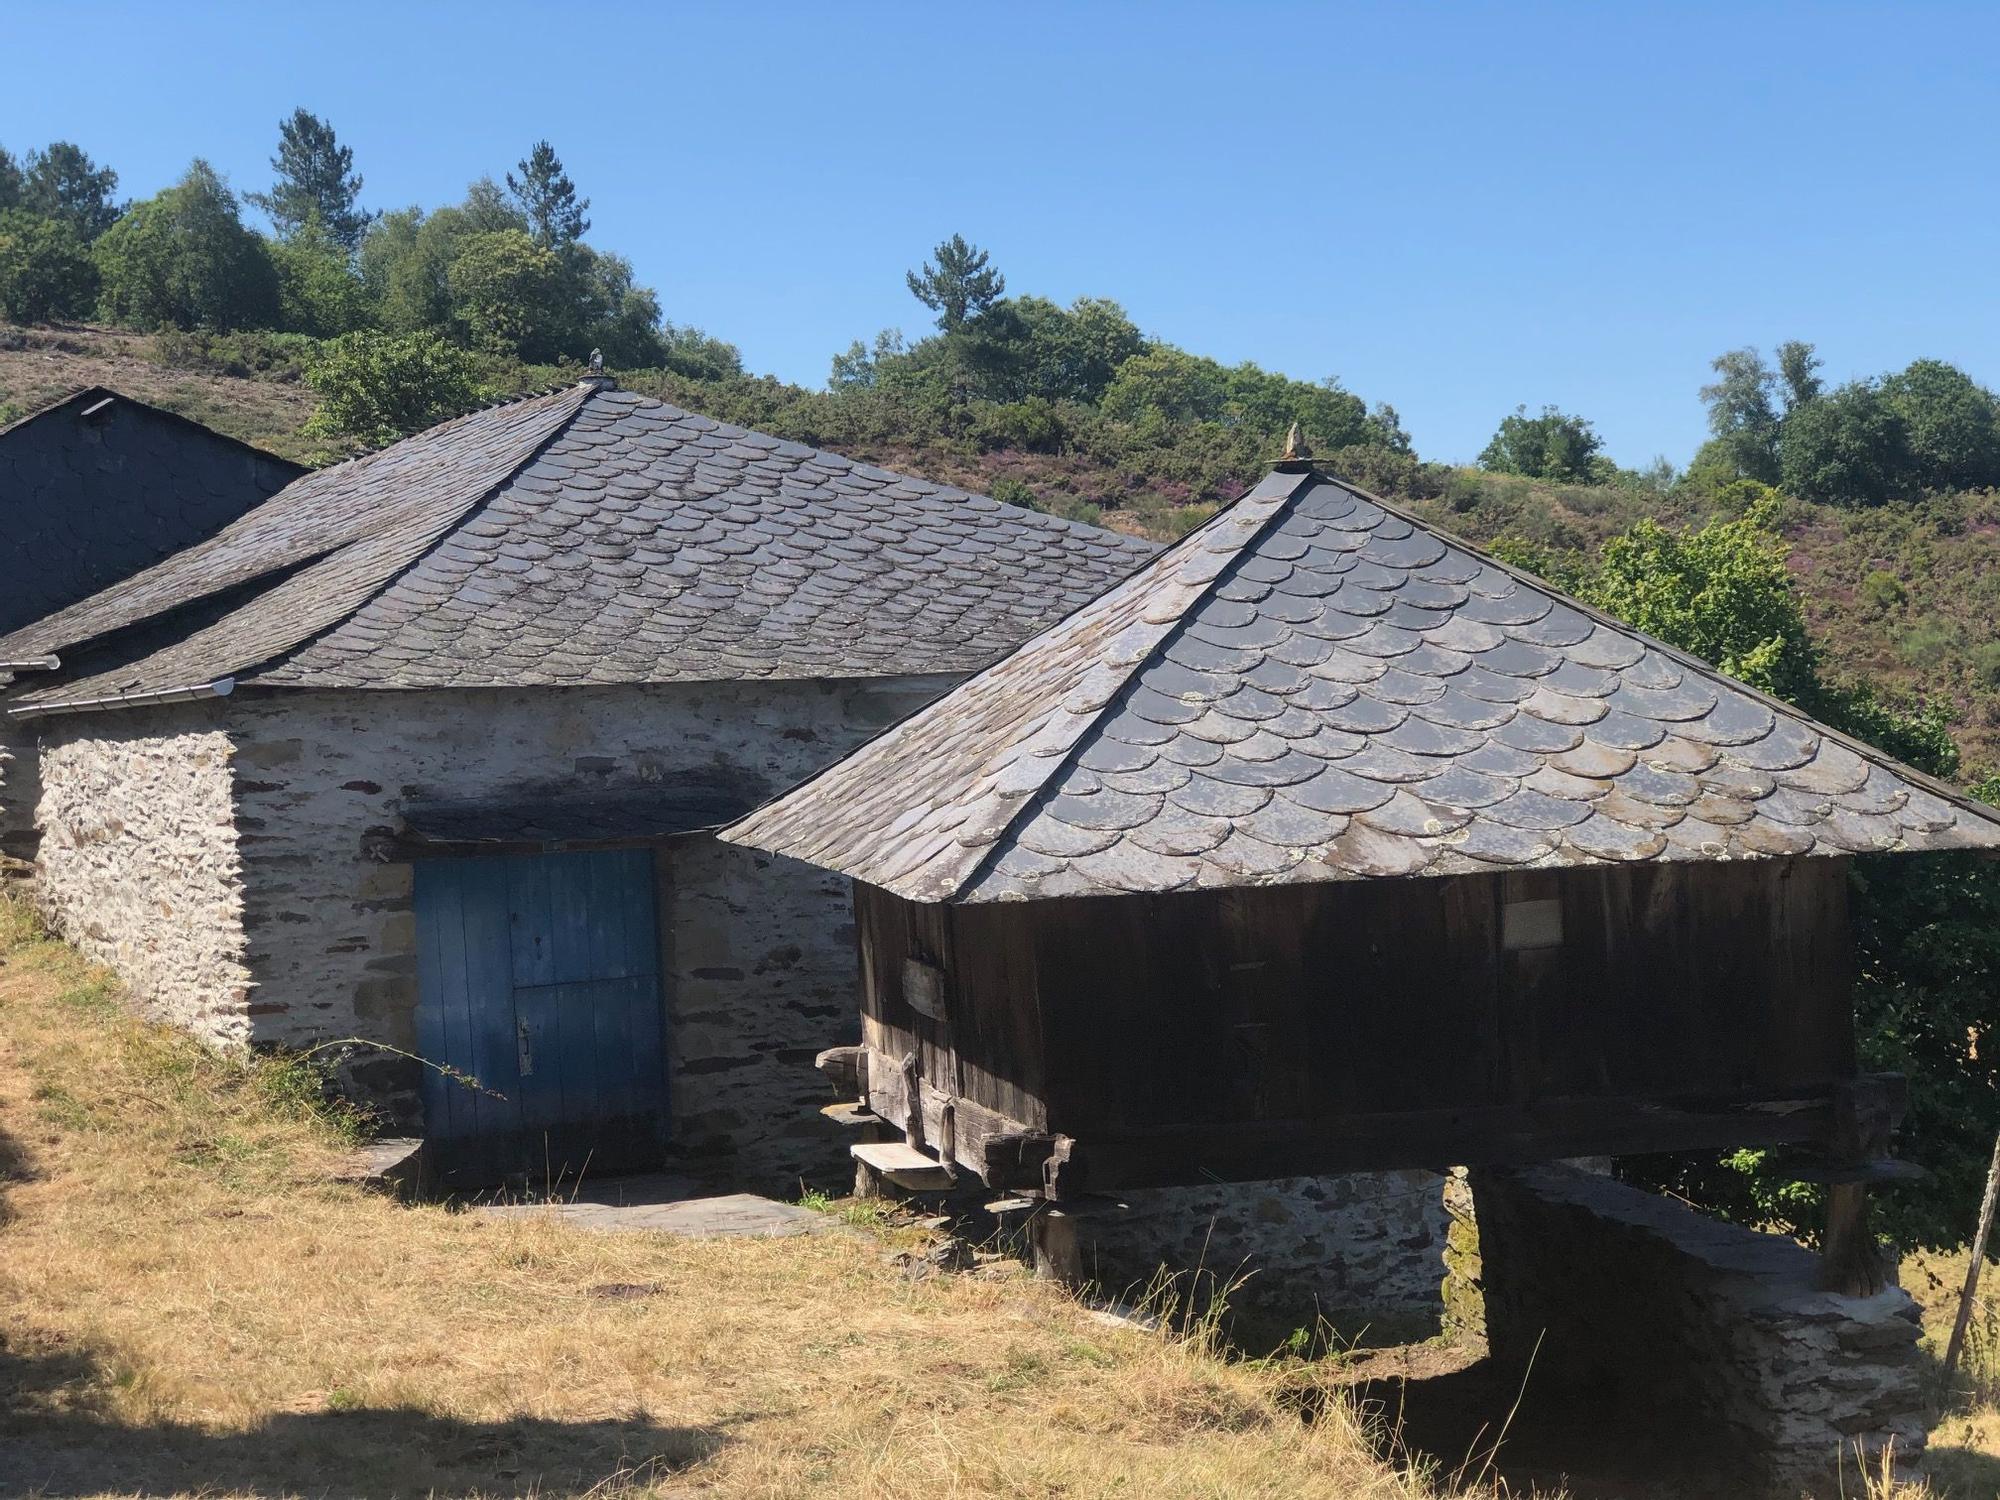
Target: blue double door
[{"x": 540, "y": 1008}]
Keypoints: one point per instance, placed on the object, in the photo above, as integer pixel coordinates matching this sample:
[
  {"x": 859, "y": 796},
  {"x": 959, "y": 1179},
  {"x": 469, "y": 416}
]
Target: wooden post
[
  {"x": 1851, "y": 1260},
  {"x": 1057, "y": 1250},
  {"x": 1965, "y": 1298},
  {"x": 868, "y": 1183}
]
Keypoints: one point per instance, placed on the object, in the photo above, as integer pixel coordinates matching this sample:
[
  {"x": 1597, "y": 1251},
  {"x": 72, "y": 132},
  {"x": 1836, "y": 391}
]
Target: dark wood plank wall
[
  {"x": 1372, "y": 997},
  {"x": 1365, "y": 999}
]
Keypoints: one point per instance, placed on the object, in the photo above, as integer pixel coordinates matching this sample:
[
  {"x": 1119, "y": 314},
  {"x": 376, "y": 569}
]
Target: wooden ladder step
[{"x": 903, "y": 1165}]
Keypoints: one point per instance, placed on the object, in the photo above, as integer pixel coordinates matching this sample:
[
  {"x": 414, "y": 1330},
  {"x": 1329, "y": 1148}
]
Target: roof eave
[{"x": 221, "y": 687}]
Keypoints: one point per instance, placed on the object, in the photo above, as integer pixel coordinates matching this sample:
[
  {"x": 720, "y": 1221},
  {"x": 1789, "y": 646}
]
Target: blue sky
[{"x": 1453, "y": 208}]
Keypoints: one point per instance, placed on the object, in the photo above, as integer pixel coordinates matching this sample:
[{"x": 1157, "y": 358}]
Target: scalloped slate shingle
[
  {"x": 597, "y": 536},
  {"x": 1316, "y": 687},
  {"x": 96, "y": 486}
]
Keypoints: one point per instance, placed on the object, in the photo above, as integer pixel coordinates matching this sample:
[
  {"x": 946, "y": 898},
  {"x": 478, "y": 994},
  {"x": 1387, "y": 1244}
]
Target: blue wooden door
[{"x": 539, "y": 992}]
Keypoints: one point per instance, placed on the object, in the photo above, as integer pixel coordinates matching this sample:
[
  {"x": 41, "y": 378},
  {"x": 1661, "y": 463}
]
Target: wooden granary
[{"x": 1326, "y": 843}]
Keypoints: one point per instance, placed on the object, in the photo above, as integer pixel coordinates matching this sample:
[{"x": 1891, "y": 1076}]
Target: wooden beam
[
  {"x": 1179, "y": 1155},
  {"x": 842, "y": 1067}
]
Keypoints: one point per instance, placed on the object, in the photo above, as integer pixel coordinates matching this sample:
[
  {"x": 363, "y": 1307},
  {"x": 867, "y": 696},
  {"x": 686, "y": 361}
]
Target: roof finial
[
  {"x": 1296, "y": 455},
  {"x": 597, "y": 368},
  {"x": 594, "y": 375}
]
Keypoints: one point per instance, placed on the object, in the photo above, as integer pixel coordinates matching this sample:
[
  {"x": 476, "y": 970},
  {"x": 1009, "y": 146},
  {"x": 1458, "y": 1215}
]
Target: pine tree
[
  {"x": 315, "y": 180},
  {"x": 11, "y": 181},
  {"x": 959, "y": 287},
  {"x": 64, "y": 184},
  {"x": 548, "y": 198}
]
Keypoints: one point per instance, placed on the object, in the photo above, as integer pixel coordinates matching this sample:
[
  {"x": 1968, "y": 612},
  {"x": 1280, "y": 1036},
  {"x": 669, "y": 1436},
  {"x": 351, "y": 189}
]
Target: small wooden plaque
[{"x": 923, "y": 987}]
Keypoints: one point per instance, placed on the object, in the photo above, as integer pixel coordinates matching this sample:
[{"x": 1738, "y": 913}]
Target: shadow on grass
[
  {"x": 50, "y": 1448},
  {"x": 1480, "y": 1423}
]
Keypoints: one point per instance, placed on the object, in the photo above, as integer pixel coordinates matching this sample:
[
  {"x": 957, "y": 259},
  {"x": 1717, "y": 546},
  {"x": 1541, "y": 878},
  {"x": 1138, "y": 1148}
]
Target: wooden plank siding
[{"x": 1674, "y": 996}]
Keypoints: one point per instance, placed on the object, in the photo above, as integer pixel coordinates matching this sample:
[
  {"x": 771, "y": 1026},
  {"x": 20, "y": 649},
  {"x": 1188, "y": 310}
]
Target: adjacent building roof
[
  {"x": 96, "y": 486},
  {"x": 1315, "y": 686},
  {"x": 588, "y": 535}
]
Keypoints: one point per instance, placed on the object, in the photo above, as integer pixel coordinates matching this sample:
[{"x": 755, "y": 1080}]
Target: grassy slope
[
  {"x": 188, "y": 1304},
  {"x": 1944, "y": 556}
]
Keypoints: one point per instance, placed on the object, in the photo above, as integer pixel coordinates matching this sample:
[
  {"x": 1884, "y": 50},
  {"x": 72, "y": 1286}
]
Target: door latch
[{"x": 524, "y": 1049}]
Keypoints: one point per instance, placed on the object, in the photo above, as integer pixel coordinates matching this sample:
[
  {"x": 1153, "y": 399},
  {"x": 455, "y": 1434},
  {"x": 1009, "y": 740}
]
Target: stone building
[
  {"x": 423, "y": 752},
  {"x": 93, "y": 488}
]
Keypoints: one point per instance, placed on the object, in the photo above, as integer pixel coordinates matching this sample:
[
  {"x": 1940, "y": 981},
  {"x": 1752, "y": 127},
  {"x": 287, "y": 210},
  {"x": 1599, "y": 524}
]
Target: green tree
[
  {"x": 548, "y": 198},
  {"x": 185, "y": 258},
  {"x": 45, "y": 270},
  {"x": 64, "y": 184},
  {"x": 695, "y": 355},
  {"x": 958, "y": 285},
  {"x": 1723, "y": 592},
  {"x": 1553, "y": 445},
  {"x": 859, "y": 368},
  {"x": 1798, "y": 371},
  {"x": 11, "y": 181},
  {"x": 1167, "y": 385},
  {"x": 507, "y": 291},
  {"x": 1950, "y": 427},
  {"x": 316, "y": 180},
  {"x": 319, "y": 291},
  {"x": 1848, "y": 447},
  {"x": 1743, "y": 417},
  {"x": 376, "y": 387},
  {"x": 406, "y": 258}
]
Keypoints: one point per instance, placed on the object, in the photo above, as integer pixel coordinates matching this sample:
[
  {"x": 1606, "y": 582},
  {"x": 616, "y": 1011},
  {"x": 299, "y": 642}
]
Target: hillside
[{"x": 1902, "y": 595}]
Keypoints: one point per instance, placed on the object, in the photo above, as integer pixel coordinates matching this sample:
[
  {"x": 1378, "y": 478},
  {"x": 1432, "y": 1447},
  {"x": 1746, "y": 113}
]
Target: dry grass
[{"x": 189, "y": 1305}]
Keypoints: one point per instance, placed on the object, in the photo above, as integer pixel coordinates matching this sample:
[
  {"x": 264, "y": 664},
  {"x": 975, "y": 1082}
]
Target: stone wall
[
  {"x": 1697, "y": 1326},
  {"x": 20, "y": 784},
  {"x": 759, "y": 953},
  {"x": 1364, "y": 1252},
  {"x": 139, "y": 864}
]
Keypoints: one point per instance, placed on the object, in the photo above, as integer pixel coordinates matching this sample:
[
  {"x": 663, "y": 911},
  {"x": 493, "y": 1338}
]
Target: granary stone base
[
  {"x": 1683, "y": 1320},
  {"x": 235, "y": 861},
  {"x": 1363, "y": 1251}
]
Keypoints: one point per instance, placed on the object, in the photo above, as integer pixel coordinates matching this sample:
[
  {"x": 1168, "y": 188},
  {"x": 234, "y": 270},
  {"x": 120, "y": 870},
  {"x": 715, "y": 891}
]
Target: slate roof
[
  {"x": 96, "y": 486},
  {"x": 1314, "y": 686},
  {"x": 591, "y": 536}
]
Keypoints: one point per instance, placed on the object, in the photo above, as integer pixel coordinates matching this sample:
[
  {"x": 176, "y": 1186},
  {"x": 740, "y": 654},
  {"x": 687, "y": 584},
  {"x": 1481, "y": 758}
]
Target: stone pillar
[{"x": 1683, "y": 1320}]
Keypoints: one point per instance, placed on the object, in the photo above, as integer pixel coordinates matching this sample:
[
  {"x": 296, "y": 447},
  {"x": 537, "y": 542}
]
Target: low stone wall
[
  {"x": 1683, "y": 1320},
  {"x": 1364, "y": 1252},
  {"x": 139, "y": 863}
]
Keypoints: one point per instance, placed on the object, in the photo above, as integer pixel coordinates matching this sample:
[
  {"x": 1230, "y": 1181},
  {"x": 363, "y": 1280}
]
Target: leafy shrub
[
  {"x": 45, "y": 270},
  {"x": 275, "y": 356},
  {"x": 1032, "y": 425},
  {"x": 376, "y": 387},
  {"x": 1882, "y": 591},
  {"x": 1986, "y": 665}
]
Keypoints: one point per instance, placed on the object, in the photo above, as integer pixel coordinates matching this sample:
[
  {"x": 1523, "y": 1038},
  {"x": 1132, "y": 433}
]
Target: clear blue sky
[{"x": 1454, "y": 208}]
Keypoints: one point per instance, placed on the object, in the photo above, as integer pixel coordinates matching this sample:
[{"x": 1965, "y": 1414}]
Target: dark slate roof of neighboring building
[
  {"x": 592, "y": 536},
  {"x": 1314, "y": 686},
  {"x": 96, "y": 486}
]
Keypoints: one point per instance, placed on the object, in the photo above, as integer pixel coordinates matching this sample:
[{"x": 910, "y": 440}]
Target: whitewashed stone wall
[
  {"x": 139, "y": 864},
  {"x": 760, "y": 959}
]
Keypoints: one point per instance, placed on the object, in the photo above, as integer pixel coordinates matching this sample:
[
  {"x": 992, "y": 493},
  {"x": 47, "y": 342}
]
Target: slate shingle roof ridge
[
  {"x": 647, "y": 543},
  {"x": 322, "y": 541},
  {"x": 1328, "y": 688}
]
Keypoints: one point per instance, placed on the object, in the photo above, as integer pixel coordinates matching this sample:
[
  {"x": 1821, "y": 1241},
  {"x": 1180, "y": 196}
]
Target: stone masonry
[
  {"x": 139, "y": 861},
  {"x": 1696, "y": 1325},
  {"x": 230, "y": 858},
  {"x": 1364, "y": 1252}
]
